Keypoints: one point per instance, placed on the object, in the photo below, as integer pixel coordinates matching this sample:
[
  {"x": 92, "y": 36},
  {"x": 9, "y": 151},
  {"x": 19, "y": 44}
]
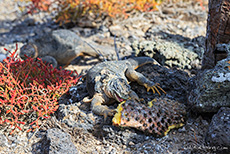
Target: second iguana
[{"x": 62, "y": 46}]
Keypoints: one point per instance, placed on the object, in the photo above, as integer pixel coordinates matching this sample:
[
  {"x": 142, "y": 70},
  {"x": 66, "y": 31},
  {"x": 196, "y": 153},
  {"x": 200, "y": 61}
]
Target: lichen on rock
[
  {"x": 167, "y": 53},
  {"x": 222, "y": 77}
]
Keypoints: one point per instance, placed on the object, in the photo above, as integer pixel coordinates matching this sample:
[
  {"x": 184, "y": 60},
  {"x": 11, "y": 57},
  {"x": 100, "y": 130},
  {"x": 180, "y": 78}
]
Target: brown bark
[{"x": 218, "y": 32}]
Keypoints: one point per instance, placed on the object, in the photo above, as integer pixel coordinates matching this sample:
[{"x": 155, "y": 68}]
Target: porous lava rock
[{"x": 211, "y": 88}]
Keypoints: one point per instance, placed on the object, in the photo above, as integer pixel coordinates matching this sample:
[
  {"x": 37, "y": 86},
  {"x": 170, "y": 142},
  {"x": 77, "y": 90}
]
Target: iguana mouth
[{"x": 118, "y": 98}]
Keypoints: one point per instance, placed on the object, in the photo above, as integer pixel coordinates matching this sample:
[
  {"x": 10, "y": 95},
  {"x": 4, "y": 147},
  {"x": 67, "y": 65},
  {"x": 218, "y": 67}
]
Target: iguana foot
[
  {"x": 87, "y": 100},
  {"x": 154, "y": 88},
  {"x": 103, "y": 110},
  {"x": 98, "y": 107},
  {"x": 109, "y": 112}
]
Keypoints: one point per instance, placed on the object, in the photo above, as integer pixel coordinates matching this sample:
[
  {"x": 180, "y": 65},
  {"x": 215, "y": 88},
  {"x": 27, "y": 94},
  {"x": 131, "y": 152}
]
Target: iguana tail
[{"x": 139, "y": 61}]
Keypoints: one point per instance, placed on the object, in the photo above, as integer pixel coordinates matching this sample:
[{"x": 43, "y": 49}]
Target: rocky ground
[{"x": 174, "y": 36}]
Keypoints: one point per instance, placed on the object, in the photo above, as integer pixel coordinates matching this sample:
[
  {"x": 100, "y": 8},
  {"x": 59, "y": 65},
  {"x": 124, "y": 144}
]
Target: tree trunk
[{"x": 218, "y": 32}]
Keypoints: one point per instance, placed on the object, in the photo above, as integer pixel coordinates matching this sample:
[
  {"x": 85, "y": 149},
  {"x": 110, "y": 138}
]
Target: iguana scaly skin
[{"x": 107, "y": 82}]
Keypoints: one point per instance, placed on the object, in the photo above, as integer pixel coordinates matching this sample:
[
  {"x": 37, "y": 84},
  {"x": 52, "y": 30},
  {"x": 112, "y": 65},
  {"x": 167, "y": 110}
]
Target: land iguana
[
  {"x": 107, "y": 82},
  {"x": 63, "y": 45}
]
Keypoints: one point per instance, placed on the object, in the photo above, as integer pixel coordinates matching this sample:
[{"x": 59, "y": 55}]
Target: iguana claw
[{"x": 154, "y": 88}]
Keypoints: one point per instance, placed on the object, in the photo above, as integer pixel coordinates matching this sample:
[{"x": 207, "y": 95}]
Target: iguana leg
[
  {"x": 142, "y": 80},
  {"x": 81, "y": 54},
  {"x": 98, "y": 108}
]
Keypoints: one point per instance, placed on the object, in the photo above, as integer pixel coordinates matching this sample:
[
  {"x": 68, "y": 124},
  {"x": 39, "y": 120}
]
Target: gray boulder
[
  {"x": 58, "y": 142},
  {"x": 212, "y": 88},
  {"x": 218, "y": 135}
]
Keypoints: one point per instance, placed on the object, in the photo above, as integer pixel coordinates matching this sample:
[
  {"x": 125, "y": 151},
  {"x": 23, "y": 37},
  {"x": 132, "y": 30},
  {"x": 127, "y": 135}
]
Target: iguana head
[
  {"x": 118, "y": 88},
  {"x": 28, "y": 50}
]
